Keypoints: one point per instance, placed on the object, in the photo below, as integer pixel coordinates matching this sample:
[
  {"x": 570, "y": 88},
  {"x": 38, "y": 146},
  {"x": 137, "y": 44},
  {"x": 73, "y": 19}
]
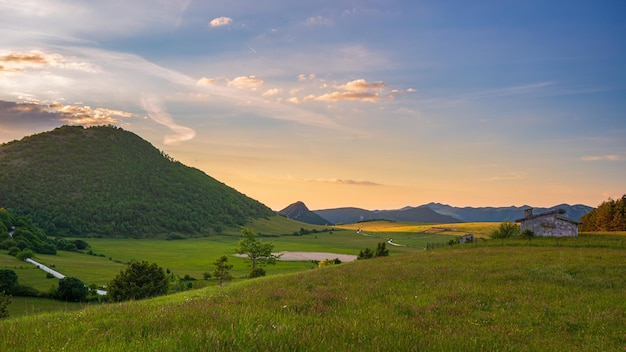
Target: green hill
[{"x": 104, "y": 181}]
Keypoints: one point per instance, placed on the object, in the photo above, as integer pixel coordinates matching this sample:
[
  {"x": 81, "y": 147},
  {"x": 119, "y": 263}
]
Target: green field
[
  {"x": 544, "y": 294},
  {"x": 460, "y": 298}
]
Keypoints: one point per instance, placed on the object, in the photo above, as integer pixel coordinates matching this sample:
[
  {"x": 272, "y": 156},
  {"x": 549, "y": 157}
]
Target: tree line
[{"x": 608, "y": 216}]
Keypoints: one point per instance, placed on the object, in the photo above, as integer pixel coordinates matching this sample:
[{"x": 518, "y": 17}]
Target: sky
[{"x": 370, "y": 104}]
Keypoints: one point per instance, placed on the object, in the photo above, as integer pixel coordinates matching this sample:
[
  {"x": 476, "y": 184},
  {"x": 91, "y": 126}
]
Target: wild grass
[{"x": 464, "y": 298}]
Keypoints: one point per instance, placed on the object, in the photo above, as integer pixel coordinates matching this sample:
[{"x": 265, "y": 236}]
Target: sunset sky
[{"x": 372, "y": 104}]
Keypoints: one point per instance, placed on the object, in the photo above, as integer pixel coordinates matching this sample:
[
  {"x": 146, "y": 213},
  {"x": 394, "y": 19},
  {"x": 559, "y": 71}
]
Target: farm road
[{"x": 55, "y": 273}]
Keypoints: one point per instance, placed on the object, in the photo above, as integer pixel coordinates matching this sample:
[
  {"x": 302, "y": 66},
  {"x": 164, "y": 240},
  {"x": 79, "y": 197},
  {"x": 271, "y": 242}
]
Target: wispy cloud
[
  {"x": 337, "y": 96},
  {"x": 318, "y": 20},
  {"x": 19, "y": 61},
  {"x": 361, "y": 85},
  {"x": 344, "y": 181},
  {"x": 156, "y": 111},
  {"x": 610, "y": 157},
  {"x": 509, "y": 176}
]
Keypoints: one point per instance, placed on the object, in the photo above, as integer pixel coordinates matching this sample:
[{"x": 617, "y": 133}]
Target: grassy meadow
[
  {"x": 543, "y": 294},
  {"x": 511, "y": 298}
]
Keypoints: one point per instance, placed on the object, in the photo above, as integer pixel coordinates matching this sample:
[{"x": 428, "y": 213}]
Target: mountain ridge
[{"x": 443, "y": 213}]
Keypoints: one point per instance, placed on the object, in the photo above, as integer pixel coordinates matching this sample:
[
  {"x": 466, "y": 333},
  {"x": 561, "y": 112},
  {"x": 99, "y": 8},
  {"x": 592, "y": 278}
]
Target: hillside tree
[
  {"x": 8, "y": 280},
  {"x": 222, "y": 269},
  {"x": 257, "y": 253},
  {"x": 140, "y": 280},
  {"x": 71, "y": 289}
]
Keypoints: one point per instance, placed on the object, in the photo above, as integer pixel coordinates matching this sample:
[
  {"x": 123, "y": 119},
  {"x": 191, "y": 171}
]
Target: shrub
[
  {"x": 8, "y": 280},
  {"x": 506, "y": 229},
  {"x": 5, "y": 300},
  {"x": 257, "y": 272},
  {"x": 23, "y": 254}
]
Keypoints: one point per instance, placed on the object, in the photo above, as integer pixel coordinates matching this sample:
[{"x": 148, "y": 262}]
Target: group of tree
[
  {"x": 105, "y": 181},
  {"x": 381, "y": 251},
  {"x": 608, "y": 216},
  {"x": 508, "y": 229}
]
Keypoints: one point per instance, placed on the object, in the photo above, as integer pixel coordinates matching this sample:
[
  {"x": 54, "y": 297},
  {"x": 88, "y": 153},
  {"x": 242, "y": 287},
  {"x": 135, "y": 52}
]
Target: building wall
[{"x": 549, "y": 225}]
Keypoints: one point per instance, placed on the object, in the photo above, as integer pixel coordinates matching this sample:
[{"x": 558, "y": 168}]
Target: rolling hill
[{"x": 104, "y": 181}]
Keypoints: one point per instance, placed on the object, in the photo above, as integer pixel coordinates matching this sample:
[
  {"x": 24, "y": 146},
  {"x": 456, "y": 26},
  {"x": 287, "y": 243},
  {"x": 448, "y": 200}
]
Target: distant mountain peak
[{"x": 299, "y": 211}]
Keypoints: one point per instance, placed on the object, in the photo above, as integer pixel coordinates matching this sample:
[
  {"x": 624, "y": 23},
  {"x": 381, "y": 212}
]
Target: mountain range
[{"x": 429, "y": 213}]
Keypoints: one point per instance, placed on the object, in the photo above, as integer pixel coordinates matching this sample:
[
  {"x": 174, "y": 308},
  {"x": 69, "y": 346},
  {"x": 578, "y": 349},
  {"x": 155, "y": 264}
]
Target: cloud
[
  {"x": 338, "y": 96},
  {"x": 272, "y": 92},
  {"x": 220, "y": 22},
  {"x": 509, "y": 176},
  {"x": 157, "y": 112},
  {"x": 243, "y": 82},
  {"x": 19, "y": 61},
  {"x": 85, "y": 115},
  {"x": 205, "y": 81},
  {"x": 318, "y": 20},
  {"x": 344, "y": 182},
  {"x": 360, "y": 85},
  {"x": 610, "y": 157},
  {"x": 27, "y": 113}
]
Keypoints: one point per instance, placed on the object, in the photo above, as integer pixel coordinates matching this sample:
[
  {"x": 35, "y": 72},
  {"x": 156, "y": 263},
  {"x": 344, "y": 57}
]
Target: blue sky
[{"x": 374, "y": 104}]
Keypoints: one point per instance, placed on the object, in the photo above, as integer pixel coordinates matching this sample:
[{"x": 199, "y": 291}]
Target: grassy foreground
[{"x": 464, "y": 298}]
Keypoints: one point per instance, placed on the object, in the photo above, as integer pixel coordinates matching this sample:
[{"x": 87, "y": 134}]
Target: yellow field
[{"x": 479, "y": 229}]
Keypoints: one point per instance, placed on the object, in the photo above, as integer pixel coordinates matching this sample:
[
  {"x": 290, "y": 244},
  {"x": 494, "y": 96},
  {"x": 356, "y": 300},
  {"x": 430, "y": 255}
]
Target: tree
[
  {"x": 72, "y": 289},
  {"x": 381, "y": 250},
  {"x": 222, "y": 269},
  {"x": 140, "y": 280},
  {"x": 365, "y": 254},
  {"x": 5, "y": 300},
  {"x": 8, "y": 280},
  {"x": 258, "y": 253},
  {"x": 506, "y": 229}
]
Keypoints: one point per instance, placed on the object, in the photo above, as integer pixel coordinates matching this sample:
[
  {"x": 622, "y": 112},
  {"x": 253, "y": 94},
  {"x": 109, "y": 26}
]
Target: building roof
[{"x": 558, "y": 212}]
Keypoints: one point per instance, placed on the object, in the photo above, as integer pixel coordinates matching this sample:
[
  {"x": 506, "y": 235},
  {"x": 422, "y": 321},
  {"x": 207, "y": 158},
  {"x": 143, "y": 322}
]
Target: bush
[
  {"x": 506, "y": 229},
  {"x": 140, "y": 280},
  {"x": 72, "y": 289},
  {"x": 257, "y": 272},
  {"x": 23, "y": 254},
  {"x": 4, "y": 302},
  {"x": 8, "y": 280},
  {"x": 25, "y": 291}
]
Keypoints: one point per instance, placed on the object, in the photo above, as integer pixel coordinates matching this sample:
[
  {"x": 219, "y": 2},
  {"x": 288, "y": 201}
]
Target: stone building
[{"x": 551, "y": 223}]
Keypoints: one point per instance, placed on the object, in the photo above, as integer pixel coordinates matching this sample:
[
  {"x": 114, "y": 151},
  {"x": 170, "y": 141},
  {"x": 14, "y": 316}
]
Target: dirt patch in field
[{"x": 305, "y": 256}]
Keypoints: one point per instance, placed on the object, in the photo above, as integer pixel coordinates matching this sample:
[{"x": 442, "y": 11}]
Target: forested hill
[{"x": 106, "y": 181}]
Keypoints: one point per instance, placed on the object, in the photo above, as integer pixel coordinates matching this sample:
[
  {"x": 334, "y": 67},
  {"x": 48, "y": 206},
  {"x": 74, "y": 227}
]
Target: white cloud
[
  {"x": 272, "y": 92},
  {"x": 205, "y": 81},
  {"x": 361, "y": 85},
  {"x": 246, "y": 82},
  {"x": 156, "y": 111},
  {"x": 220, "y": 22},
  {"x": 337, "y": 96}
]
